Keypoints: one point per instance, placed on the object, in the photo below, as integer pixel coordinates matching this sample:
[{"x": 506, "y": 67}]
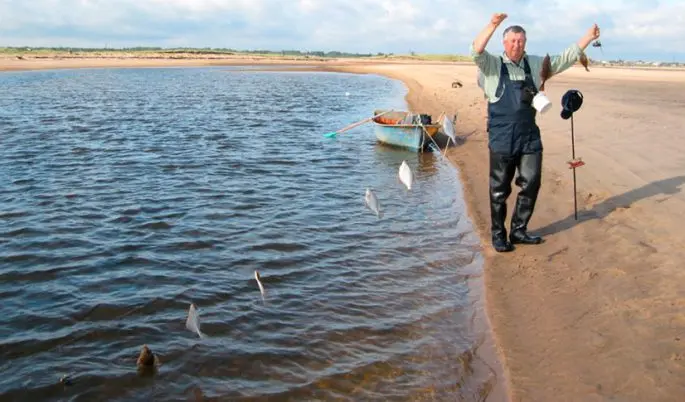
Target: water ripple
[{"x": 127, "y": 194}]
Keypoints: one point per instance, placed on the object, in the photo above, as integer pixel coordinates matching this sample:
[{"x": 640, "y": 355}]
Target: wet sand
[{"x": 594, "y": 313}]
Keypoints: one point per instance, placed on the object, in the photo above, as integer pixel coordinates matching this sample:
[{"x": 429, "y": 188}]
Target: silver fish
[
  {"x": 372, "y": 202},
  {"x": 259, "y": 282},
  {"x": 193, "y": 321},
  {"x": 406, "y": 175}
]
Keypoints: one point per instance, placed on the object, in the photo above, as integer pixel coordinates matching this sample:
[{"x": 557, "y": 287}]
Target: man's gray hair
[{"x": 514, "y": 29}]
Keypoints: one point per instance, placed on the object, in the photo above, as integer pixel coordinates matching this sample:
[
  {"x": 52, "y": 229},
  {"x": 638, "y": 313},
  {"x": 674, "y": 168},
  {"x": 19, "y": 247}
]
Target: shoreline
[
  {"x": 488, "y": 350},
  {"x": 487, "y": 359},
  {"x": 595, "y": 312}
]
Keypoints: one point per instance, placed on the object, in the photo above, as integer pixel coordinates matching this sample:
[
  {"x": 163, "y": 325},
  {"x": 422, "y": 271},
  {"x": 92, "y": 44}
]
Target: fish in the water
[
  {"x": 146, "y": 359},
  {"x": 584, "y": 60},
  {"x": 545, "y": 71},
  {"x": 66, "y": 380},
  {"x": 193, "y": 320},
  {"x": 406, "y": 175},
  {"x": 259, "y": 282},
  {"x": 372, "y": 202}
]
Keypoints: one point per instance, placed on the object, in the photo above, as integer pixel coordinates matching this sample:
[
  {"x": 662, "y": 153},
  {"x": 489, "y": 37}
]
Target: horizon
[
  {"x": 285, "y": 52},
  {"x": 630, "y": 31}
]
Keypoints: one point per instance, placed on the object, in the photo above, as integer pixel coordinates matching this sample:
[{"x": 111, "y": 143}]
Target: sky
[{"x": 651, "y": 30}]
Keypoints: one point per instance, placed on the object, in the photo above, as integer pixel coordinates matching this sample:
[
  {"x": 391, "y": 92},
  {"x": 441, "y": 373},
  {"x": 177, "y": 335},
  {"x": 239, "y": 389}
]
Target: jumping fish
[
  {"x": 259, "y": 282},
  {"x": 545, "y": 71},
  {"x": 406, "y": 175},
  {"x": 372, "y": 202},
  {"x": 193, "y": 320},
  {"x": 584, "y": 61}
]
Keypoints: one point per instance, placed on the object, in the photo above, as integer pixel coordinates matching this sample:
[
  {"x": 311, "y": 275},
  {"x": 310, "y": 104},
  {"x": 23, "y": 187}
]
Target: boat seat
[{"x": 386, "y": 120}]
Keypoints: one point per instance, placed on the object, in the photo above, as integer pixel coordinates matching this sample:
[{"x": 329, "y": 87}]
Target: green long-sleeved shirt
[{"x": 489, "y": 67}]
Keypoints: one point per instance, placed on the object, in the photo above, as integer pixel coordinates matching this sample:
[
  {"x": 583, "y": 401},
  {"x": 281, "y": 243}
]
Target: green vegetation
[{"x": 142, "y": 52}]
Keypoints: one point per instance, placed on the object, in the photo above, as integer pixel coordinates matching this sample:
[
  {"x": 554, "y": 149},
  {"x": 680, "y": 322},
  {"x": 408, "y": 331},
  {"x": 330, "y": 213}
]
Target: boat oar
[{"x": 353, "y": 125}]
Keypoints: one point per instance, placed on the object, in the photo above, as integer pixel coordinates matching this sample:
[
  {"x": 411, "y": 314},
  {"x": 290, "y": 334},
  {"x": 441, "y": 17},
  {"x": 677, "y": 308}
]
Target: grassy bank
[{"x": 210, "y": 53}]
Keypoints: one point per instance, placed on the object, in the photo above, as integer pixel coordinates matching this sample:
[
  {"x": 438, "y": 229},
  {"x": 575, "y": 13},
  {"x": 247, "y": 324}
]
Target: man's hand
[
  {"x": 593, "y": 33},
  {"x": 497, "y": 19},
  {"x": 484, "y": 35}
]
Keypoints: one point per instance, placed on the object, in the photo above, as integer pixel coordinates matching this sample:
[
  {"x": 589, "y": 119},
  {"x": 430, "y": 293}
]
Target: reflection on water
[{"x": 127, "y": 194}]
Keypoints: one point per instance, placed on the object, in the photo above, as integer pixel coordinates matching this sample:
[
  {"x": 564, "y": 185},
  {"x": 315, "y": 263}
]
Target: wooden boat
[{"x": 405, "y": 129}]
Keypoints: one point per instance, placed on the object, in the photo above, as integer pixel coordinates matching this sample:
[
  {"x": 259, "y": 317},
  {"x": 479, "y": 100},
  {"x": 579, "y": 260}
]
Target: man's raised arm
[
  {"x": 486, "y": 62},
  {"x": 484, "y": 36}
]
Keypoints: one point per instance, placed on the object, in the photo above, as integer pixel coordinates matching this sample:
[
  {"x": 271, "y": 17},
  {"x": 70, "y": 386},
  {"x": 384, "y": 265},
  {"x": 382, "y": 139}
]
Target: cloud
[{"x": 630, "y": 29}]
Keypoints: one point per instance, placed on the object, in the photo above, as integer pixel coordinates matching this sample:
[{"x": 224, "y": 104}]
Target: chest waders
[{"x": 515, "y": 144}]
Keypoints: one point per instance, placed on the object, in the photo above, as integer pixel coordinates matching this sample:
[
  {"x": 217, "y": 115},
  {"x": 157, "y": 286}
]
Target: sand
[{"x": 596, "y": 312}]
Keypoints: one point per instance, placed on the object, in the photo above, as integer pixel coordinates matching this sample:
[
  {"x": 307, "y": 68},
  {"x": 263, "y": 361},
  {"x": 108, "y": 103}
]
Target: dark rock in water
[{"x": 146, "y": 358}]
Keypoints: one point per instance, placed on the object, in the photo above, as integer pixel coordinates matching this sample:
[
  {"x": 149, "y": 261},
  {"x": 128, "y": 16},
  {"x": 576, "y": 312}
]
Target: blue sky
[{"x": 631, "y": 30}]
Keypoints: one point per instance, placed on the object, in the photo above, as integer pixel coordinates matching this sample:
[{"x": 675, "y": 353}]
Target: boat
[{"x": 405, "y": 129}]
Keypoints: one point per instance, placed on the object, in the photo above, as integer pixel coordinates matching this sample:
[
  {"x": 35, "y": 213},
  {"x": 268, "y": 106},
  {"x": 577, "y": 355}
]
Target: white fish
[
  {"x": 193, "y": 321},
  {"x": 448, "y": 128},
  {"x": 406, "y": 175},
  {"x": 372, "y": 202},
  {"x": 259, "y": 282}
]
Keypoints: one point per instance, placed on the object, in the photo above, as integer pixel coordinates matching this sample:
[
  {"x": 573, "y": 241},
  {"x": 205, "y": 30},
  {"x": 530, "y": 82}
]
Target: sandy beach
[{"x": 594, "y": 313}]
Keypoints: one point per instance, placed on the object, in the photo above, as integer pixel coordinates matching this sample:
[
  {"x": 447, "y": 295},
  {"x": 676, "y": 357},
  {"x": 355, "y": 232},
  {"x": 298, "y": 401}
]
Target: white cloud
[{"x": 630, "y": 29}]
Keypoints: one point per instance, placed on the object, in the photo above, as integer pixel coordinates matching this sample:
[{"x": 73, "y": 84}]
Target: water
[{"x": 127, "y": 194}]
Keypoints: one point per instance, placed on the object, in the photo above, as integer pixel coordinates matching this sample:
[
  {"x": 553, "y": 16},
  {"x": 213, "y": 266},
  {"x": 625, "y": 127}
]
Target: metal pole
[{"x": 573, "y": 158}]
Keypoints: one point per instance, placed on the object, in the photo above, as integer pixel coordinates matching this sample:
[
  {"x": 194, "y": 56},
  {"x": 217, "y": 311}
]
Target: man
[{"x": 509, "y": 83}]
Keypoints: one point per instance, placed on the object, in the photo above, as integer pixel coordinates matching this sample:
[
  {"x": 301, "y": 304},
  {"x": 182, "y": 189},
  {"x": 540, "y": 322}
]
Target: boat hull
[{"x": 415, "y": 137}]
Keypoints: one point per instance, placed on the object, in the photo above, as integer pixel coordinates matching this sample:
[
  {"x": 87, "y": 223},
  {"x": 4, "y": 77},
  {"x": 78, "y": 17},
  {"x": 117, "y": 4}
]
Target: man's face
[{"x": 514, "y": 45}]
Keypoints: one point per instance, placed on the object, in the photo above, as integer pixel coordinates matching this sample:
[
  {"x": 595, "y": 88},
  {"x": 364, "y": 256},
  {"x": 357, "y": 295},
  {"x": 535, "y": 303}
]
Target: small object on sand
[
  {"x": 259, "y": 282},
  {"x": 66, "y": 380},
  {"x": 372, "y": 202},
  {"x": 545, "y": 71},
  {"x": 575, "y": 163},
  {"x": 193, "y": 320},
  {"x": 584, "y": 60},
  {"x": 456, "y": 84},
  {"x": 406, "y": 175},
  {"x": 146, "y": 359}
]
